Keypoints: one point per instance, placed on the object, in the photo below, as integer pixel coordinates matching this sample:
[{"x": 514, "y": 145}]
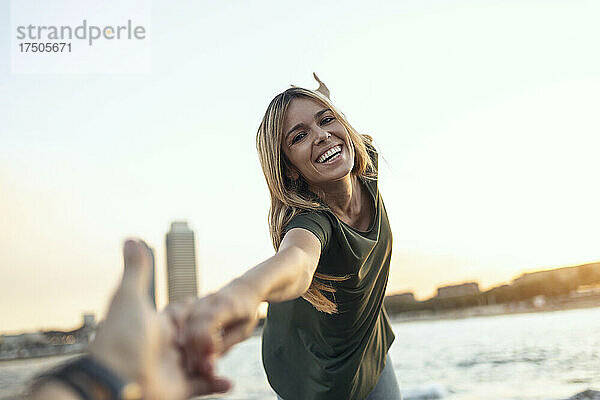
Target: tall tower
[
  {"x": 181, "y": 262},
  {"x": 152, "y": 286}
]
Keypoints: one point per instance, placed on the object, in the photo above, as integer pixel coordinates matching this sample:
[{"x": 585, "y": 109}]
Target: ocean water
[{"x": 547, "y": 356}]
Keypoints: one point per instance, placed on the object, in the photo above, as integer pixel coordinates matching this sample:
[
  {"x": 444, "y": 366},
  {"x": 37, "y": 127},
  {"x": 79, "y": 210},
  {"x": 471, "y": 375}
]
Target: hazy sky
[{"x": 486, "y": 114}]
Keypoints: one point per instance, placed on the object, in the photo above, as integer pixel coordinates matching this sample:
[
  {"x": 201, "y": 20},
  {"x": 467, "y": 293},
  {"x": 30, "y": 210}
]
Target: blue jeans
[{"x": 387, "y": 386}]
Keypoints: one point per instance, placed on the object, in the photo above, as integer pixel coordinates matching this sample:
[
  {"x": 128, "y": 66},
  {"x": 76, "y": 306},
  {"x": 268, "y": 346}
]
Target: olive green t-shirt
[{"x": 311, "y": 355}]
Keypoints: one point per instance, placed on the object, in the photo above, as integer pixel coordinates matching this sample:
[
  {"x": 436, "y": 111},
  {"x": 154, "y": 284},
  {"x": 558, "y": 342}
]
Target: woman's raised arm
[{"x": 212, "y": 324}]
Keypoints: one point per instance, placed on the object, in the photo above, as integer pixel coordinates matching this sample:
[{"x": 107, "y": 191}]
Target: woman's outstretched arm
[
  {"x": 212, "y": 324},
  {"x": 287, "y": 274}
]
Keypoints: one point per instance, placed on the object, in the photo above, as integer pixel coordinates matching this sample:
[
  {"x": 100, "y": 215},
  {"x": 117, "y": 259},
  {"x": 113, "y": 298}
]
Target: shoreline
[
  {"x": 495, "y": 310},
  {"x": 399, "y": 318}
]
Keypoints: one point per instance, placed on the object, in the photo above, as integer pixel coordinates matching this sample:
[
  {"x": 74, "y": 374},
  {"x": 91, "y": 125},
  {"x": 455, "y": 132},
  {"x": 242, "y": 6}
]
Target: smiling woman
[
  {"x": 327, "y": 185},
  {"x": 327, "y": 333},
  {"x": 300, "y": 126}
]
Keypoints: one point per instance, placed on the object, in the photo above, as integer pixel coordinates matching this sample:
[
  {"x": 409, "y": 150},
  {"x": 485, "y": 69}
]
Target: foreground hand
[
  {"x": 213, "y": 324},
  {"x": 140, "y": 345}
]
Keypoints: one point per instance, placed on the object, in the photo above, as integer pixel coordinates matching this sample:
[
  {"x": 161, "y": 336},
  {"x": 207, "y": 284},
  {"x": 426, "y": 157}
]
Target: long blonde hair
[{"x": 291, "y": 197}]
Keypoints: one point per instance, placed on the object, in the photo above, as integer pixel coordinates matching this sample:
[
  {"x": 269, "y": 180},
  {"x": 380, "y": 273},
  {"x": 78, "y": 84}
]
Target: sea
[{"x": 535, "y": 356}]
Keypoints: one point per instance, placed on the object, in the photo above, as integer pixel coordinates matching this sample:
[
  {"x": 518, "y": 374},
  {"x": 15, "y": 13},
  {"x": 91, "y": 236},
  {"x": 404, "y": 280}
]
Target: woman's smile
[{"x": 330, "y": 155}]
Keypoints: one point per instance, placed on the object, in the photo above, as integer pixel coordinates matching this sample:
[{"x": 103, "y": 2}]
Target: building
[
  {"x": 399, "y": 303},
  {"x": 89, "y": 320},
  {"x": 463, "y": 289},
  {"x": 181, "y": 262},
  {"x": 408, "y": 297},
  {"x": 152, "y": 285},
  {"x": 565, "y": 274},
  {"x": 49, "y": 343}
]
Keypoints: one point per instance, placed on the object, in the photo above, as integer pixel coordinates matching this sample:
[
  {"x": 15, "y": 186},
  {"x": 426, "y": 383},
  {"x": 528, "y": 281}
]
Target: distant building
[
  {"x": 590, "y": 272},
  {"x": 408, "y": 297},
  {"x": 89, "y": 320},
  {"x": 49, "y": 343},
  {"x": 565, "y": 274},
  {"x": 152, "y": 285},
  {"x": 463, "y": 289},
  {"x": 181, "y": 262}
]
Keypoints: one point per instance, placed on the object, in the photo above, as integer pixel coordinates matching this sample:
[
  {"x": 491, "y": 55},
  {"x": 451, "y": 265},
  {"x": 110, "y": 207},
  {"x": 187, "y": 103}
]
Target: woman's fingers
[
  {"x": 178, "y": 314},
  {"x": 203, "y": 386},
  {"x": 237, "y": 333},
  {"x": 199, "y": 350},
  {"x": 200, "y": 344},
  {"x": 207, "y": 365},
  {"x": 207, "y": 334},
  {"x": 216, "y": 323}
]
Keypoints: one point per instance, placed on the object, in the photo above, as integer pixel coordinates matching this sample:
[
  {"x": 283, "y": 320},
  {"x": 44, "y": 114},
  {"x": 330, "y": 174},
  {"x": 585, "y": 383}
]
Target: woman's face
[{"x": 316, "y": 143}]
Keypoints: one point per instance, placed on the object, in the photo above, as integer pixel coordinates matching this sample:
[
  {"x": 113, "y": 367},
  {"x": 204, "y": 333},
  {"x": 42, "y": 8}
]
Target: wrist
[
  {"x": 111, "y": 362},
  {"x": 50, "y": 388},
  {"x": 86, "y": 378}
]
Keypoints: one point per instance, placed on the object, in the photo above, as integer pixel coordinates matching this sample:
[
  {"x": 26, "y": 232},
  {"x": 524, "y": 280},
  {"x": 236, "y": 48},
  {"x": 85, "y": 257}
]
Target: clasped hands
[{"x": 171, "y": 354}]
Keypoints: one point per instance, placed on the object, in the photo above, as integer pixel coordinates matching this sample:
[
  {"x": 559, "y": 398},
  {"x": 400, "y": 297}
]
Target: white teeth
[{"x": 329, "y": 153}]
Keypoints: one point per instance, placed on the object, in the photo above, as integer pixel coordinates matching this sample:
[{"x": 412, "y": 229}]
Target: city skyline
[{"x": 447, "y": 289}]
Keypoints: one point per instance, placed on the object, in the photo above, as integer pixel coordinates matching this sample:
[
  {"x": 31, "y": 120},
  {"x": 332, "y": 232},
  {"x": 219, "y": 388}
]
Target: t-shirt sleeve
[{"x": 315, "y": 222}]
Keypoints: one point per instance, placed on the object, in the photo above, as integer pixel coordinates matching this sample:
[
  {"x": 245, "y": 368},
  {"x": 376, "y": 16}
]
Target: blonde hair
[{"x": 291, "y": 197}]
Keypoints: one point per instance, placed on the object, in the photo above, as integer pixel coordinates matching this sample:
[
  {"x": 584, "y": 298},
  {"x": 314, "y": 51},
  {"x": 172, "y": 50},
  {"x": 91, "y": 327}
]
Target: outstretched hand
[
  {"x": 140, "y": 344},
  {"x": 211, "y": 325}
]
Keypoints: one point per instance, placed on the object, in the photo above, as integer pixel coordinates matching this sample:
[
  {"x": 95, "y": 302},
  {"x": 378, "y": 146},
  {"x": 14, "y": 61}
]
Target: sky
[{"x": 485, "y": 115}]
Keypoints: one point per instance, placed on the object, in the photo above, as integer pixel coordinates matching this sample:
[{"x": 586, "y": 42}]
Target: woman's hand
[
  {"x": 140, "y": 344},
  {"x": 213, "y": 324}
]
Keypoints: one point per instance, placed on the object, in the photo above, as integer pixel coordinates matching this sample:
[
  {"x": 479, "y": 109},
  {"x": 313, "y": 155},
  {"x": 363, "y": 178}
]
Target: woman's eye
[
  {"x": 327, "y": 120},
  {"x": 298, "y": 137}
]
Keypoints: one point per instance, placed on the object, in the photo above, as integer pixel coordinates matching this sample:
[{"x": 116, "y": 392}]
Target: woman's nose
[{"x": 322, "y": 135}]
